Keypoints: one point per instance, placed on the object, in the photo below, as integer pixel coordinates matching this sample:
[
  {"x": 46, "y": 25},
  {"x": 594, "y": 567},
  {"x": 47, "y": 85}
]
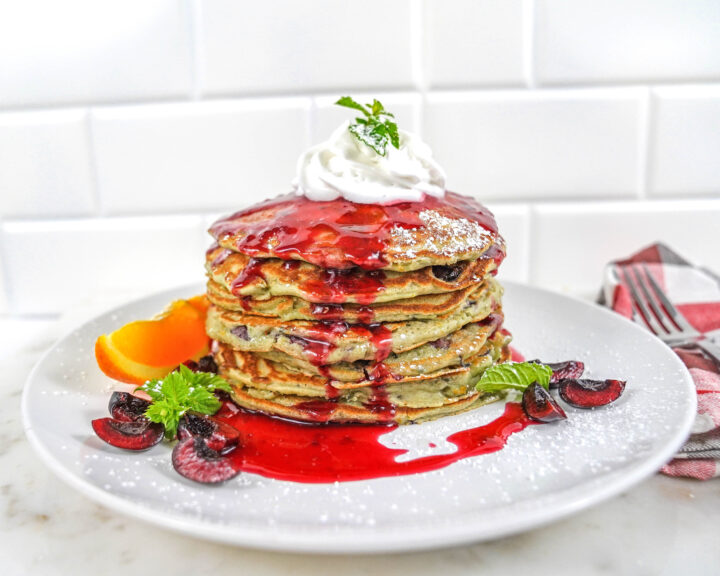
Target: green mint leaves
[
  {"x": 180, "y": 391},
  {"x": 376, "y": 128},
  {"x": 514, "y": 376}
]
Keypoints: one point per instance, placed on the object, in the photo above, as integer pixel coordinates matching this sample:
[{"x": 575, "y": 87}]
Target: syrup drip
[
  {"x": 335, "y": 313},
  {"x": 380, "y": 405},
  {"x": 336, "y": 233},
  {"x": 247, "y": 276},
  {"x": 318, "y": 342},
  {"x": 311, "y": 453},
  {"x": 336, "y": 285}
]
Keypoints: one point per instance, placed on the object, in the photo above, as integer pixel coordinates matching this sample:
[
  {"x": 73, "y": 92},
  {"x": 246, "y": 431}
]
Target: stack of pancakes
[{"x": 302, "y": 331}]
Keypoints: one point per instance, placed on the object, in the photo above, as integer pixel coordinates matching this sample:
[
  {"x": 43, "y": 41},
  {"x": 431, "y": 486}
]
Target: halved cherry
[
  {"x": 584, "y": 393},
  {"x": 217, "y": 435},
  {"x": 540, "y": 405},
  {"x": 195, "y": 460},
  {"x": 205, "y": 364},
  {"x": 139, "y": 435},
  {"x": 125, "y": 407},
  {"x": 562, "y": 370}
]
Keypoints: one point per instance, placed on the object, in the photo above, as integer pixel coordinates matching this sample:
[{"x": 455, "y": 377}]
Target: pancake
[
  {"x": 243, "y": 276},
  {"x": 330, "y": 343},
  {"x": 251, "y": 371},
  {"x": 339, "y": 234},
  {"x": 292, "y": 308},
  {"x": 450, "y": 351},
  {"x": 298, "y": 408}
]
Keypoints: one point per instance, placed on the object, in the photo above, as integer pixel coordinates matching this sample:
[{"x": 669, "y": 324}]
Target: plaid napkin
[{"x": 696, "y": 294}]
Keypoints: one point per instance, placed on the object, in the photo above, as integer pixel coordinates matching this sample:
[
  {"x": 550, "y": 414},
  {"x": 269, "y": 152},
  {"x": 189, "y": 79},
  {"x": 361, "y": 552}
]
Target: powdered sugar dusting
[{"x": 442, "y": 236}]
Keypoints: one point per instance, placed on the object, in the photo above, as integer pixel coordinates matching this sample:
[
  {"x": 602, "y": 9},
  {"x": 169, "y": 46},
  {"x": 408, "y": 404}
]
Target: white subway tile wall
[
  {"x": 574, "y": 241},
  {"x": 84, "y": 51},
  {"x": 196, "y": 156},
  {"x": 471, "y": 43},
  {"x": 51, "y": 262},
  {"x": 45, "y": 164},
  {"x": 605, "y": 41},
  {"x": 685, "y": 149},
  {"x": 291, "y": 46},
  {"x": 4, "y": 308},
  {"x": 569, "y": 143},
  {"x": 589, "y": 127}
]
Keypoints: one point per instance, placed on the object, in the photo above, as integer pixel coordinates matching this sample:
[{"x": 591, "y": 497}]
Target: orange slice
[{"x": 148, "y": 349}]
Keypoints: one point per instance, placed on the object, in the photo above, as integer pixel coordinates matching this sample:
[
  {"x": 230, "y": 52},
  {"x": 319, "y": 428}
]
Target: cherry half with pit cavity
[
  {"x": 195, "y": 460},
  {"x": 562, "y": 370},
  {"x": 138, "y": 435},
  {"x": 126, "y": 407},
  {"x": 218, "y": 435},
  {"x": 585, "y": 393},
  {"x": 540, "y": 405}
]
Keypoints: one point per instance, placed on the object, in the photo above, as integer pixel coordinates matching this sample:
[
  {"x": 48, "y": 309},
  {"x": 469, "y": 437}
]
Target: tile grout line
[
  {"x": 418, "y": 40},
  {"x": 276, "y": 96},
  {"x": 528, "y": 43},
  {"x": 6, "y": 287},
  {"x": 92, "y": 161},
  {"x": 197, "y": 53},
  {"x": 647, "y": 133}
]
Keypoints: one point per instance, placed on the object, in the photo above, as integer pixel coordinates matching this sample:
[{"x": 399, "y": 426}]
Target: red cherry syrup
[{"x": 324, "y": 453}]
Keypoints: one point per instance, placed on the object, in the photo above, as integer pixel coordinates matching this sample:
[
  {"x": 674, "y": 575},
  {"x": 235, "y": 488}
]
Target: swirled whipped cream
[{"x": 344, "y": 167}]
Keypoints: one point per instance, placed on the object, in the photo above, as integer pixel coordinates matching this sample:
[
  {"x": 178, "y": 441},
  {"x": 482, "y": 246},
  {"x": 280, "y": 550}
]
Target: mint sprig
[
  {"x": 513, "y": 376},
  {"x": 376, "y": 128},
  {"x": 180, "y": 391}
]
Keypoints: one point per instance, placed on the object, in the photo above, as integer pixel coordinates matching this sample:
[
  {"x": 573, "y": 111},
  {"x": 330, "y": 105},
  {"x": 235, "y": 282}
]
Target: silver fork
[{"x": 654, "y": 310}]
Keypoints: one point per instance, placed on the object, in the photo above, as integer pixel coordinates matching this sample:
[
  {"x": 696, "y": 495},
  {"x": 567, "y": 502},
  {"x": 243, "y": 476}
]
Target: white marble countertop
[{"x": 663, "y": 526}]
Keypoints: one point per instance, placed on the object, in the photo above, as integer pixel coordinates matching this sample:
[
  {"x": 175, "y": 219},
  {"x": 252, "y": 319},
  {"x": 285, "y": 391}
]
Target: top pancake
[{"x": 340, "y": 234}]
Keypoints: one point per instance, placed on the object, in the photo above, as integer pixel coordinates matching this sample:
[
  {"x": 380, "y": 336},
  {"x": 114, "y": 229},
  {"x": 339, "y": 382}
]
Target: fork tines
[{"x": 652, "y": 305}]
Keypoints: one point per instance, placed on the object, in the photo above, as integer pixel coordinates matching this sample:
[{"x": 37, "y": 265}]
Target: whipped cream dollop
[{"x": 344, "y": 167}]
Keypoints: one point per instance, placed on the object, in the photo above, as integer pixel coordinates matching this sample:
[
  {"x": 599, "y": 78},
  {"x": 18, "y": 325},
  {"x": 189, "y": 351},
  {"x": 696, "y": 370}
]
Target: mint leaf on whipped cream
[
  {"x": 180, "y": 391},
  {"x": 513, "y": 376},
  {"x": 376, "y": 129}
]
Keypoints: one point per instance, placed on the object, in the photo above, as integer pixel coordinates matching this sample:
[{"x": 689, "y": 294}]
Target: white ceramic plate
[{"x": 544, "y": 473}]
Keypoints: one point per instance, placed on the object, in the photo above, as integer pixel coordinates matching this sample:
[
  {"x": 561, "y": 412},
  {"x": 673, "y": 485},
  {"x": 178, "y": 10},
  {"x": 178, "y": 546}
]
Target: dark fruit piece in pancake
[
  {"x": 138, "y": 435},
  {"x": 585, "y": 393},
  {"x": 540, "y": 405},
  {"x": 448, "y": 273}
]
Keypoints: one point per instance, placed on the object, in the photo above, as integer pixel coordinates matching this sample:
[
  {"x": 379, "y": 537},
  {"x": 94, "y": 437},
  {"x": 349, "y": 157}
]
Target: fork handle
[{"x": 710, "y": 348}]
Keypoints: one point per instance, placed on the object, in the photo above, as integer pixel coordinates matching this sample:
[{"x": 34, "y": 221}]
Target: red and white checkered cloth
[{"x": 696, "y": 294}]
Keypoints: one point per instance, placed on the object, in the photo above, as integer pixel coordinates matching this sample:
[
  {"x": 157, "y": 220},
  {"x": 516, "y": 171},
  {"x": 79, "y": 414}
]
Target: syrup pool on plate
[{"x": 312, "y": 453}]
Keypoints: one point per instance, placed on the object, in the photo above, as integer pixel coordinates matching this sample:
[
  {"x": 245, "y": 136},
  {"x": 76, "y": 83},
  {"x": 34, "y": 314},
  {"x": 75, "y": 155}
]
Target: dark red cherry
[
  {"x": 562, "y": 370},
  {"x": 125, "y": 407},
  {"x": 139, "y": 435},
  {"x": 207, "y": 364},
  {"x": 540, "y": 405},
  {"x": 190, "y": 364},
  {"x": 193, "y": 459},
  {"x": 217, "y": 435},
  {"x": 585, "y": 393}
]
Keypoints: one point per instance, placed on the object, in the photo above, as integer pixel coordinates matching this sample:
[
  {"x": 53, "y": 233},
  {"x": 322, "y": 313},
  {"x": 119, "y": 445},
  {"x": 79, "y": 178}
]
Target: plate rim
[{"x": 361, "y": 541}]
